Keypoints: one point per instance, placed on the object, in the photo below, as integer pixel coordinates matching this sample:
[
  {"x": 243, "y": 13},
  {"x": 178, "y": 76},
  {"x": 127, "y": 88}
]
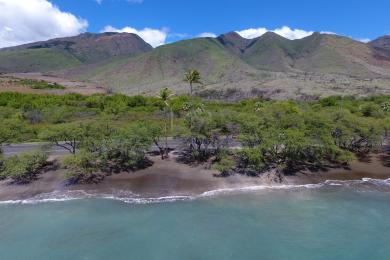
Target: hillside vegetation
[
  {"x": 231, "y": 67},
  {"x": 269, "y": 66}
]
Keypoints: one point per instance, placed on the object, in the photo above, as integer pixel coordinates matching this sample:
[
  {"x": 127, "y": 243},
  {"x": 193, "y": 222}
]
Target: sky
[{"x": 160, "y": 22}]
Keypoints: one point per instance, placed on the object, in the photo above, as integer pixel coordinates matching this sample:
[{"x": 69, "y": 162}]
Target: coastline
[{"x": 168, "y": 179}]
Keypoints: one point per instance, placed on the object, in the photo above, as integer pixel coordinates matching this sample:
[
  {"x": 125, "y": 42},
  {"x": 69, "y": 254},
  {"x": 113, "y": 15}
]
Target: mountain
[
  {"x": 165, "y": 67},
  {"x": 270, "y": 52},
  {"x": 234, "y": 42},
  {"x": 318, "y": 53},
  {"x": 69, "y": 52},
  {"x": 382, "y": 46},
  {"x": 230, "y": 65}
]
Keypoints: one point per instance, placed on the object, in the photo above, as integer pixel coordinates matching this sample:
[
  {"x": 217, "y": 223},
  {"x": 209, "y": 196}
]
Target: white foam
[{"x": 129, "y": 197}]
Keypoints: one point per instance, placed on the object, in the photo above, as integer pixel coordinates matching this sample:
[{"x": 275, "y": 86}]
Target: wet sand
[
  {"x": 375, "y": 166},
  {"x": 169, "y": 178}
]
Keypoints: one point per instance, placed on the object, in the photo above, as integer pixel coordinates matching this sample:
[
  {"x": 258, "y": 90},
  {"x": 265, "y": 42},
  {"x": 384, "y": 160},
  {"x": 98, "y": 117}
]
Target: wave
[{"x": 129, "y": 197}]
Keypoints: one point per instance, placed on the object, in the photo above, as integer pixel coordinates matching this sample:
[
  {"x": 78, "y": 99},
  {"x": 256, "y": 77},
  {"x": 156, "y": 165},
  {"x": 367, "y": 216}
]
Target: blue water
[{"x": 296, "y": 224}]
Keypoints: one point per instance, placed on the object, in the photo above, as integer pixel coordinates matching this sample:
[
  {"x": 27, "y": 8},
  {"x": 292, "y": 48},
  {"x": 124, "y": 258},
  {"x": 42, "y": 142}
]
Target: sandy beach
[{"x": 170, "y": 178}]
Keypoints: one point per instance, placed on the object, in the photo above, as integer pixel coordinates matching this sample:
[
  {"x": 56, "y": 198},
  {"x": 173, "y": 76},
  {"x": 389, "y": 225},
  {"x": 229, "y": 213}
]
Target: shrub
[
  {"x": 370, "y": 110},
  {"x": 385, "y": 106},
  {"x": 33, "y": 116},
  {"x": 251, "y": 160},
  {"x": 24, "y": 167},
  {"x": 82, "y": 168},
  {"x": 328, "y": 101},
  {"x": 224, "y": 163}
]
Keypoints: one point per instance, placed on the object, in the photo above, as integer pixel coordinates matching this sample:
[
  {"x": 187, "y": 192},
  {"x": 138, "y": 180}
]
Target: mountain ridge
[
  {"x": 85, "y": 48},
  {"x": 270, "y": 64}
]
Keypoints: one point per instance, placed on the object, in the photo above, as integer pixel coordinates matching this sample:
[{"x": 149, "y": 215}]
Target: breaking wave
[{"x": 365, "y": 184}]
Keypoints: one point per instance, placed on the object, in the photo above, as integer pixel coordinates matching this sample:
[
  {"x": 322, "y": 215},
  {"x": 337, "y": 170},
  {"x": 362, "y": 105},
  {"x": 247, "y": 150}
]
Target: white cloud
[
  {"x": 206, "y": 34},
  {"x": 328, "y": 32},
  {"x": 35, "y": 20},
  {"x": 284, "y": 31},
  {"x": 154, "y": 37},
  {"x": 365, "y": 40},
  {"x": 99, "y": 1},
  {"x": 288, "y": 33}
]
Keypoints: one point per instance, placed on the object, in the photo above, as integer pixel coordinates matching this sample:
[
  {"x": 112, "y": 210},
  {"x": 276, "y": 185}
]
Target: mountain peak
[
  {"x": 231, "y": 35},
  {"x": 234, "y": 42},
  {"x": 383, "y": 41},
  {"x": 381, "y": 45},
  {"x": 271, "y": 34}
]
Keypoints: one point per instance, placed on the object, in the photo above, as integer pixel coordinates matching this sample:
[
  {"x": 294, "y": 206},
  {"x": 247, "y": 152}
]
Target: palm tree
[
  {"x": 165, "y": 97},
  {"x": 192, "y": 77}
]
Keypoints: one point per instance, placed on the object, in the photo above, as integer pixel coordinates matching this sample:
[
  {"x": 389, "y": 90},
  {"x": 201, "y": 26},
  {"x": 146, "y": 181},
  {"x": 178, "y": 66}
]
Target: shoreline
[{"x": 168, "y": 179}]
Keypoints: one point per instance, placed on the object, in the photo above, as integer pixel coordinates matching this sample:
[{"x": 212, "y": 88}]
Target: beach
[{"x": 169, "y": 178}]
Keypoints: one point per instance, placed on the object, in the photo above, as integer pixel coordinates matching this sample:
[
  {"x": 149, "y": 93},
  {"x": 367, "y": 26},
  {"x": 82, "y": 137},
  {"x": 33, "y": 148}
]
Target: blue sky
[
  {"x": 178, "y": 19},
  {"x": 359, "y": 19}
]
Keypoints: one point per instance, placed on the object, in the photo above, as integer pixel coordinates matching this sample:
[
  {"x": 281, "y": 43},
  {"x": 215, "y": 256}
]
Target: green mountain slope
[
  {"x": 270, "y": 52},
  {"x": 32, "y": 60},
  {"x": 166, "y": 65},
  {"x": 270, "y": 65},
  {"x": 230, "y": 65},
  {"x": 319, "y": 53},
  {"x": 336, "y": 55},
  {"x": 71, "y": 51}
]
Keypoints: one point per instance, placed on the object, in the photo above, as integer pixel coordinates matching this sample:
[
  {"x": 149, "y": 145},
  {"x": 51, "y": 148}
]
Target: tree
[
  {"x": 192, "y": 77},
  {"x": 156, "y": 133},
  {"x": 121, "y": 150},
  {"x": 125, "y": 149},
  {"x": 165, "y": 97},
  {"x": 67, "y": 136}
]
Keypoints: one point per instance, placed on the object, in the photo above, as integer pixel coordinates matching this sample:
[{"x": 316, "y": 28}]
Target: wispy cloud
[
  {"x": 206, "y": 34},
  {"x": 154, "y": 37},
  {"x": 365, "y": 40}
]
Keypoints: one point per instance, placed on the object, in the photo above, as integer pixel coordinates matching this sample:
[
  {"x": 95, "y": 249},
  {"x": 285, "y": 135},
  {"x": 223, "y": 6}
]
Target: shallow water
[{"x": 301, "y": 223}]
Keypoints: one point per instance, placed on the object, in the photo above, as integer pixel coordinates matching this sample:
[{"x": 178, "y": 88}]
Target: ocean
[{"x": 339, "y": 220}]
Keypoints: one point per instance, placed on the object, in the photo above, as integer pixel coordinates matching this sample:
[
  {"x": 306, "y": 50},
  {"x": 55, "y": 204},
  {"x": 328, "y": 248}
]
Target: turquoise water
[{"x": 297, "y": 224}]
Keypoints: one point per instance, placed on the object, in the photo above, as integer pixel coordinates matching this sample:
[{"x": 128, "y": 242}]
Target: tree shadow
[
  {"x": 364, "y": 157},
  {"x": 385, "y": 159},
  {"x": 313, "y": 167},
  {"x": 50, "y": 166},
  {"x": 185, "y": 157}
]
